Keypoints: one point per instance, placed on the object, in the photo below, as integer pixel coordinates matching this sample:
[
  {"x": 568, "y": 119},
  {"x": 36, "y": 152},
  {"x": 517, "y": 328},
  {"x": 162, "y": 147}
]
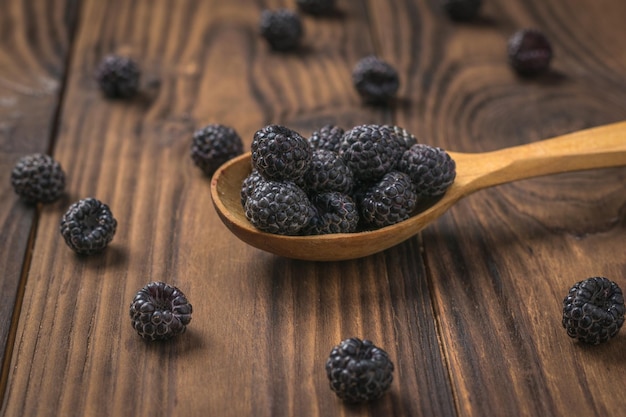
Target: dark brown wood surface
[
  {"x": 34, "y": 48},
  {"x": 469, "y": 310}
]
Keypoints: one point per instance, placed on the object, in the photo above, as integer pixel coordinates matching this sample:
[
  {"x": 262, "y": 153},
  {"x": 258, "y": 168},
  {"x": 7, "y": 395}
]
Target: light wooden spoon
[{"x": 599, "y": 147}]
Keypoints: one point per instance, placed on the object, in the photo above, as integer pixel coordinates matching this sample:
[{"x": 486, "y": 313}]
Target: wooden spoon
[{"x": 599, "y": 147}]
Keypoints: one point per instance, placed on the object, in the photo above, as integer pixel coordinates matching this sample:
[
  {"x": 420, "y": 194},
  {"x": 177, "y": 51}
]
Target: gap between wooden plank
[{"x": 71, "y": 16}]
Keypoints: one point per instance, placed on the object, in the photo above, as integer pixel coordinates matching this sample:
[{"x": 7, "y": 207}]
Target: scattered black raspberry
[
  {"x": 316, "y": 7},
  {"x": 328, "y": 137},
  {"x": 118, "y": 76},
  {"x": 359, "y": 371},
  {"x": 248, "y": 185},
  {"x": 335, "y": 213},
  {"x": 279, "y": 153},
  {"x": 389, "y": 201},
  {"x": 213, "y": 145},
  {"x": 407, "y": 137},
  {"x": 160, "y": 311},
  {"x": 371, "y": 151},
  {"x": 327, "y": 172},
  {"x": 529, "y": 52},
  {"x": 281, "y": 28},
  {"x": 278, "y": 207},
  {"x": 593, "y": 311},
  {"x": 431, "y": 169},
  {"x": 38, "y": 178},
  {"x": 375, "y": 80},
  {"x": 462, "y": 10},
  {"x": 88, "y": 226}
]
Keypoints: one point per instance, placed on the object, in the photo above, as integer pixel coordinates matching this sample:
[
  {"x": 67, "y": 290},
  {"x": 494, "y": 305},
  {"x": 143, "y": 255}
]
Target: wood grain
[
  {"x": 263, "y": 326},
  {"x": 34, "y": 46},
  {"x": 469, "y": 310},
  {"x": 501, "y": 262}
]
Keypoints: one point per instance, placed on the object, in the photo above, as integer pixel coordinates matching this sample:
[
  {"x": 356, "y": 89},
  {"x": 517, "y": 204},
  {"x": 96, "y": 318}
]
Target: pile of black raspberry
[{"x": 337, "y": 181}]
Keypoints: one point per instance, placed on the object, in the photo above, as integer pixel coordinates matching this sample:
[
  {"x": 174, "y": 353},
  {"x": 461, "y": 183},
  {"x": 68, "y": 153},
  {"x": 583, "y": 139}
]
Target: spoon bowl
[{"x": 599, "y": 147}]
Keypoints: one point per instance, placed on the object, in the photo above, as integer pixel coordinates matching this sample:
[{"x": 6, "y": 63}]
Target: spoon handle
[{"x": 599, "y": 147}]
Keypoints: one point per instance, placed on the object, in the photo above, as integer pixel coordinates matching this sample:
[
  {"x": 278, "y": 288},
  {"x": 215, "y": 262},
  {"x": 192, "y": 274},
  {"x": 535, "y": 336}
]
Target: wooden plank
[
  {"x": 262, "y": 326},
  {"x": 33, "y": 49},
  {"x": 501, "y": 262}
]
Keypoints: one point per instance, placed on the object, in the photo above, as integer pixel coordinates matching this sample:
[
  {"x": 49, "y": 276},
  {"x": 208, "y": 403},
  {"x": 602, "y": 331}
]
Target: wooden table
[{"x": 469, "y": 310}]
